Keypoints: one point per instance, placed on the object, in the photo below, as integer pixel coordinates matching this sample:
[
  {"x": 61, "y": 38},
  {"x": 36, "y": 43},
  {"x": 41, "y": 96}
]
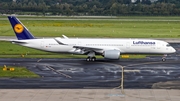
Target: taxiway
[
  {"x": 150, "y": 72},
  {"x": 77, "y": 73}
]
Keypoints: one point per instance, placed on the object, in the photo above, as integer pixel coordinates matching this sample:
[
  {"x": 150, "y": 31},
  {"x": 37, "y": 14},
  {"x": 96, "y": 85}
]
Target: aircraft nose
[{"x": 173, "y": 50}]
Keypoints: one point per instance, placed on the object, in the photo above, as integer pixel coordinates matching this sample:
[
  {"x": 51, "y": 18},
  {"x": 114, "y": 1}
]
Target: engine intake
[{"x": 111, "y": 54}]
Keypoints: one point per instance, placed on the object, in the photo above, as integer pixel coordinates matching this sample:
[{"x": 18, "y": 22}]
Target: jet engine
[{"x": 111, "y": 54}]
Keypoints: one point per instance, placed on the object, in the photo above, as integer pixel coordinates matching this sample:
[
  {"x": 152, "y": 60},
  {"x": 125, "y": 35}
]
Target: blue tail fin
[{"x": 20, "y": 30}]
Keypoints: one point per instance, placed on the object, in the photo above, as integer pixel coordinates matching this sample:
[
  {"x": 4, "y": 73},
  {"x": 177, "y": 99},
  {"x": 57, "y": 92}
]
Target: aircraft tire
[
  {"x": 163, "y": 59},
  {"x": 88, "y": 59},
  {"x": 93, "y": 59}
]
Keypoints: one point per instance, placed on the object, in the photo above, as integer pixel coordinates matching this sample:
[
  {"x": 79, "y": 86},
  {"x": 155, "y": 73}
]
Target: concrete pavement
[{"x": 89, "y": 95}]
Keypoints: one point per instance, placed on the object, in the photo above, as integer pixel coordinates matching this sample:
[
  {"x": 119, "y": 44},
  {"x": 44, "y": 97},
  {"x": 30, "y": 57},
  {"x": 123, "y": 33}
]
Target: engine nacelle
[{"x": 111, "y": 54}]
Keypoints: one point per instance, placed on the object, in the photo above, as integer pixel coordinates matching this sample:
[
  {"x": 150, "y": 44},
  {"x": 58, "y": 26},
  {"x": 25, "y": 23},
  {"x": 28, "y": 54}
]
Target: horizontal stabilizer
[{"x": 19, "y": 42}]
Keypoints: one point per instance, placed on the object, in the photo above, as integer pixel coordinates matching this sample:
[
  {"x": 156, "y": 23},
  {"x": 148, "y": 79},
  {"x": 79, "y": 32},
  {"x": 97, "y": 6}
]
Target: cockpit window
[{"x": 168, "y": 45}]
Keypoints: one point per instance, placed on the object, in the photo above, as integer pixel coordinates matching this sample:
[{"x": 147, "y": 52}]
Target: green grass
[
  {"x": 7, "y": 48},
  {"x": 123, "y": 27},
  {"x": 19, "y": 72}
]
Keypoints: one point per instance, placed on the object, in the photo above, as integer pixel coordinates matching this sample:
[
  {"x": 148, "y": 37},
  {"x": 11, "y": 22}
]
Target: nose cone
[{"x": 173, "y": 50}]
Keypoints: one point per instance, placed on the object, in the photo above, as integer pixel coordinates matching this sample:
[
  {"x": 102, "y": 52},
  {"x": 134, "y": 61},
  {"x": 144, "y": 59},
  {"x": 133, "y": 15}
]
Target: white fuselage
[{"x": 79, "y": 46}]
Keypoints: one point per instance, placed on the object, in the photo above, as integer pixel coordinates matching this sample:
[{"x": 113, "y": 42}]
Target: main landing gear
[{"x": 91, "y": 57}]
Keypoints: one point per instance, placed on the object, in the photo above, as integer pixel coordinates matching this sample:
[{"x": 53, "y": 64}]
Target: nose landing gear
[{"x": 164, "y": 57}]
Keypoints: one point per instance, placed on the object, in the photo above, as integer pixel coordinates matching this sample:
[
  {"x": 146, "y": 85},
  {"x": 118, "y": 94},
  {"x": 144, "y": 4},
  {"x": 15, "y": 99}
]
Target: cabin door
[
  {"x": 128, "y": 45},
  {"x": 158, "y": 45},
  {"x": 42, "y": 44}
]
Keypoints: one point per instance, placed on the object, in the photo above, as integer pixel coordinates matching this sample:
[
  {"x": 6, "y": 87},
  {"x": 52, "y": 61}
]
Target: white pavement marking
[
  {"x": 39, "y": 60},
  {"x": 131, "y": 70},
  {"x": 67, "y": 76}
]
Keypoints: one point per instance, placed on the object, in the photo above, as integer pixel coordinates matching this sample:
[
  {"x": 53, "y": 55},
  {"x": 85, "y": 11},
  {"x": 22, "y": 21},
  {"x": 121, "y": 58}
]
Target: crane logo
[{"x": 18, "y": 28}]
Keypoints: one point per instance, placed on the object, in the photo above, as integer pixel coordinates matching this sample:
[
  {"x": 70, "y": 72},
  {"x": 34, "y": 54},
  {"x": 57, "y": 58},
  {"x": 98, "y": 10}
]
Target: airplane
[{"x": 109, "y": 48}]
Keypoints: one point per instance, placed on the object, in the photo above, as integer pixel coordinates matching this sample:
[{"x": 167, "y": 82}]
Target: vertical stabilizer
[{"x": 20, "y": 30}]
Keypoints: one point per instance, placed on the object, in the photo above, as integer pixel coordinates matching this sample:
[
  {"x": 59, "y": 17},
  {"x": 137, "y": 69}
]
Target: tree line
[{"x": 91, "y": 7}]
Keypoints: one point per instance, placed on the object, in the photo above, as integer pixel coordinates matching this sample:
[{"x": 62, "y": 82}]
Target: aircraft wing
[
  {"x": 59, "y": 42},
  {"x": 83, "y": 48},
  {"x": 87, "y": 48}
]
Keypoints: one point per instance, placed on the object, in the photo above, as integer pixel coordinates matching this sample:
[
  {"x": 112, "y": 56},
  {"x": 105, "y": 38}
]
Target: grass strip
[
  {"x": 19, "y": 72},
  {"x": 124, "y": 27}
]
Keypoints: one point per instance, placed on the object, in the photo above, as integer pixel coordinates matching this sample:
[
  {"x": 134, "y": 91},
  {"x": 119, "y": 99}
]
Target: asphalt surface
[{"x": 77, "y": 73}]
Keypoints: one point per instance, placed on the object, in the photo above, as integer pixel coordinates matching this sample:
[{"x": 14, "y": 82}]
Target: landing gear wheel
[
  {"x": 163, "y": 59},
  {"x": 93, "y": 59},
  {"x": 91, "y": 56},
  {"x": 88, "y": 59}
]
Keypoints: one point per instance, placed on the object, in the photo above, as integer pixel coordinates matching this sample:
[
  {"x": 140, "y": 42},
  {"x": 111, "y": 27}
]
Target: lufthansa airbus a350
[{"x": 108, "y": 48}]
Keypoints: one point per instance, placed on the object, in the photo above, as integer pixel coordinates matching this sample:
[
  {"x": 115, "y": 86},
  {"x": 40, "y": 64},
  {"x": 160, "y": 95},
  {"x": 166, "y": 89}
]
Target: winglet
[
  {"x": 59, "y": 42},
  {"x": 65, "y": 37},
  {"x": 20, "y": 30}
]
